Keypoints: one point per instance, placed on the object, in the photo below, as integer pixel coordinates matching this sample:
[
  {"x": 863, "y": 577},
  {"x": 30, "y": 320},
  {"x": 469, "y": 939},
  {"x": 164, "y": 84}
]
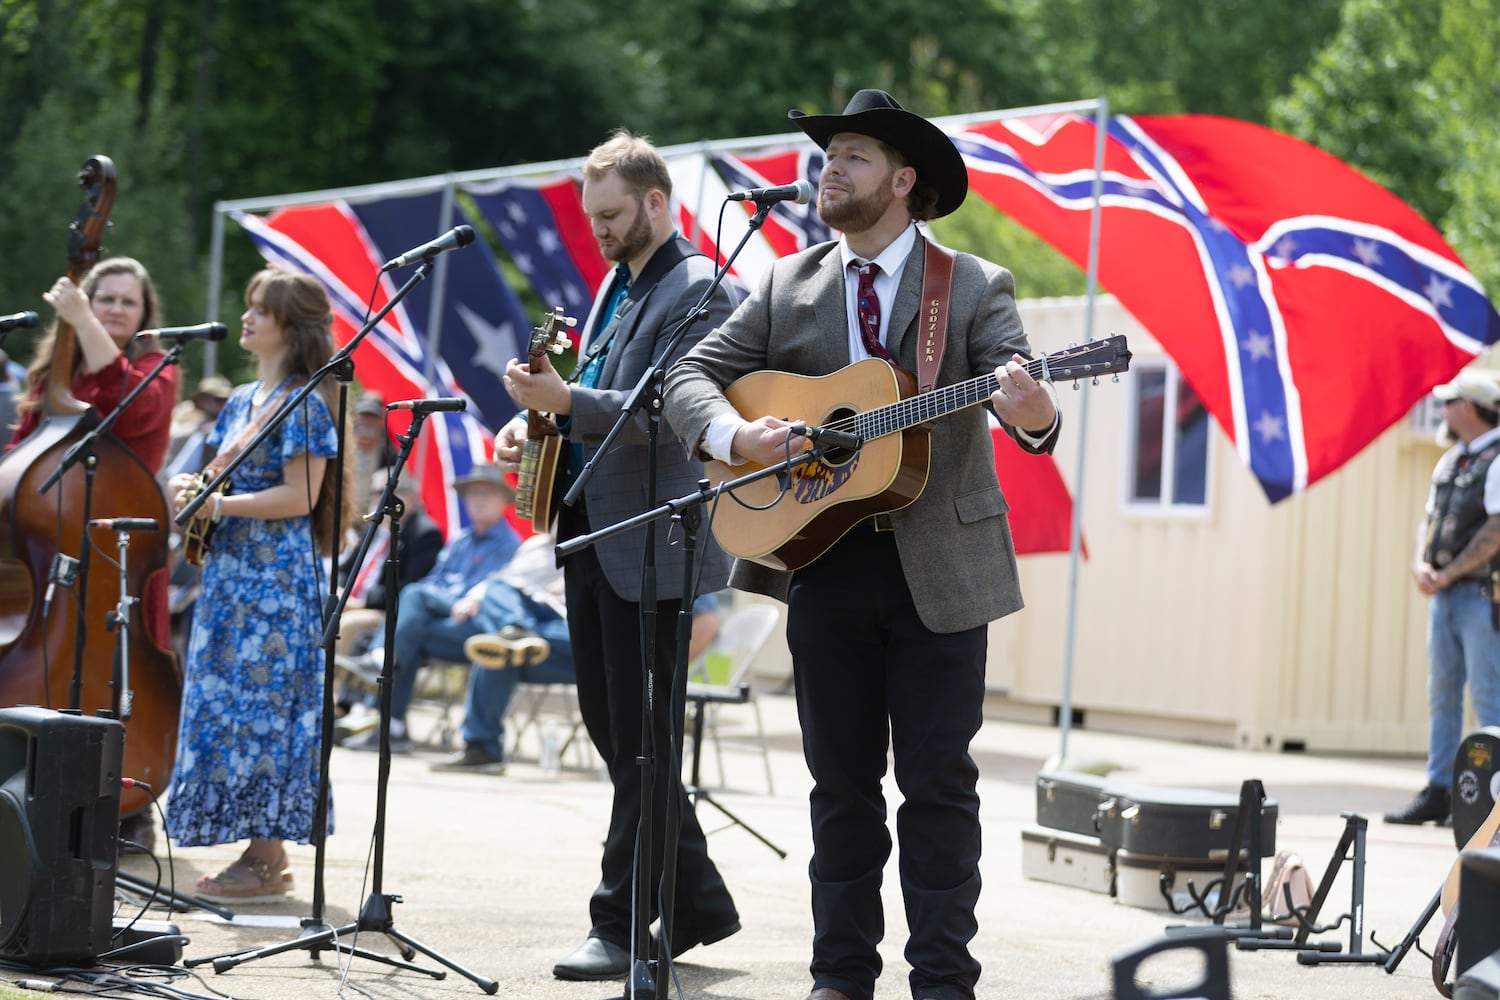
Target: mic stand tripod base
[
  {"x": 137, "y": 886},
  {"x": 641, "y": 983},
  {"x": 374, "y": 916}
]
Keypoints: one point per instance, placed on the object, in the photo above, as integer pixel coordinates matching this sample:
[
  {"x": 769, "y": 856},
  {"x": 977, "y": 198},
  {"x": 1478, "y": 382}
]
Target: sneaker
[
  {"x": 512, "y": 646},
  {"x": 472, "y": 758},
  {"x": 369, "y": 742},
  {"x": 363, "y": 668},
  {"x": 1431, "y": 805},
  {"x": 353, "y": 724}
]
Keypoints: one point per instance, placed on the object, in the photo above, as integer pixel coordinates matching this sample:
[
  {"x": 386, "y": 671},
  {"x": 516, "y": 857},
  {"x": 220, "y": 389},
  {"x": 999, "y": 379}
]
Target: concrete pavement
[{"x": 494, "y": 873}]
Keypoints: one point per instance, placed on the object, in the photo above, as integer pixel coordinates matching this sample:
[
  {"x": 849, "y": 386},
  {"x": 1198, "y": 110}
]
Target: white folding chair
[{"x": 720, "y": 677}]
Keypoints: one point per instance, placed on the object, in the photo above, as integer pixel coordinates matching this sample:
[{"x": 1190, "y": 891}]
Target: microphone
[
  {"x": 800, "y": 192},
  {"x": 64, "y": 570},
  {"x": 182, "y": 334},
  {"x": 447, "y": 404},
  {"x": 126, "y": 523},
  {"x": 16, "y": 321},
  {"x": 453, "y": 239},
  {"x": 827, "y": 437}
]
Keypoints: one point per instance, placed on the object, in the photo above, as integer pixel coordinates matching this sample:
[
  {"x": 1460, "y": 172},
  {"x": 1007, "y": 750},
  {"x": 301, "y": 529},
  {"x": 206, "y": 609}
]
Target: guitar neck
[
  {"x": 928, "y": 406},
  {"x": 538, "y": 424}
]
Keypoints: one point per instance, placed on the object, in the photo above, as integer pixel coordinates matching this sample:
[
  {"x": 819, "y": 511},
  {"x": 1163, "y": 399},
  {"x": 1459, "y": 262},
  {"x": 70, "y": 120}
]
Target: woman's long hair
[
  {"x": 299, "y": 304},
  {"x": 41, "y": 362}
]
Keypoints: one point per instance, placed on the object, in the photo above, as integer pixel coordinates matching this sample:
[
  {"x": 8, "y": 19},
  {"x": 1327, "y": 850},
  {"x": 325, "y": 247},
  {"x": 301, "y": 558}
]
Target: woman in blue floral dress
[{"x": 248, "y": 747}]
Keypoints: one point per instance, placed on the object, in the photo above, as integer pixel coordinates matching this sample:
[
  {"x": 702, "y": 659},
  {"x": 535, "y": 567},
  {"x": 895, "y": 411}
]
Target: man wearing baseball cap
[
  {"x": 430, "y": 613},
  {"x": 1457, "y": 564},
  {"x": 888, "y": 626}
]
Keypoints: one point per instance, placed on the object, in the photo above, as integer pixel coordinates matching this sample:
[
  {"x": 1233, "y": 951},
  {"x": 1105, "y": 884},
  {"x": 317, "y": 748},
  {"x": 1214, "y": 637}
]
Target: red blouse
[{"x": 146, "y": 428}]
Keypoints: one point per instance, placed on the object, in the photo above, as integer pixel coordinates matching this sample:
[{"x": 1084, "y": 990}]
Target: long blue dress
[{"x": 248, "y": 743}]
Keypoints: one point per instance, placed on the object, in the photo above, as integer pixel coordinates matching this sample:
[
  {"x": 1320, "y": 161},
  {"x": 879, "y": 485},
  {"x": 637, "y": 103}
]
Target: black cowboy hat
[{"x": 925, "y": 146}]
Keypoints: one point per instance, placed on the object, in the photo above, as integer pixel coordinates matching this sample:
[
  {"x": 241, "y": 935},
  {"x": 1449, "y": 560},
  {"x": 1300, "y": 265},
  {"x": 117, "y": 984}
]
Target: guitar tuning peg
[
  {"x": 1116, "y": 377},
  {"x": 1095, "y": 380},
  {"x": 1077, "y": 386}
]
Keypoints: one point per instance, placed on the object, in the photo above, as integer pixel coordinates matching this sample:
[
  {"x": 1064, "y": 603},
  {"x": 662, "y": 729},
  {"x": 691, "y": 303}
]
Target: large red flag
[{"x": 1308, "y": 307}]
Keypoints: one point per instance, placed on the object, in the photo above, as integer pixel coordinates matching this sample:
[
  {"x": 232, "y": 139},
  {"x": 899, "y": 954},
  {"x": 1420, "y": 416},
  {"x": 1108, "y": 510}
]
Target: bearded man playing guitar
[
  {"x": 658, "y": 280},
  {"x": 887, "y": 626}
]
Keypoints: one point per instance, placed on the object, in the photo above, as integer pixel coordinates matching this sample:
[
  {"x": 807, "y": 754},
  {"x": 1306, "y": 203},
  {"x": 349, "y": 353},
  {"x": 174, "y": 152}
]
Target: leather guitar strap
[
  {"x": 244, "y": 437},
  {"x": 932, "y": 324}
]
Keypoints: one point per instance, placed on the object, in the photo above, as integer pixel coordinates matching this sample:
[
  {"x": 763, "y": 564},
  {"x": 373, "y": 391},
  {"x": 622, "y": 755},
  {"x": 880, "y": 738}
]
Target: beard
[
  {"x": 636, "y": 239},
  {"x": 857, "y": 214}
]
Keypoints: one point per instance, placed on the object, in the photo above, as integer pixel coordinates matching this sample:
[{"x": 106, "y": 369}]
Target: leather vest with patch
[{"x": 1458, "y": 503}]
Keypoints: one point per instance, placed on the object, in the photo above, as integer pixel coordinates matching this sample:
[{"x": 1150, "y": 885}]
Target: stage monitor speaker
[
  {"x": 59, "y": 815},
  {"x": 1478, "y": 909},
  {"x": 1476, "y": 782}
]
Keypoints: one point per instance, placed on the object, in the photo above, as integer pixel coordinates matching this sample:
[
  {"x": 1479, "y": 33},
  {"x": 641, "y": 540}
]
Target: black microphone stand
[
  {"x": 341, "y": 365},
  {"x": 82, "y": 450},
  {"x": 316, "y": 935},
  {"x": 647, "y": 395},
  {"x": 686, "y": 510},
  {"x": 375, "y": 914}
]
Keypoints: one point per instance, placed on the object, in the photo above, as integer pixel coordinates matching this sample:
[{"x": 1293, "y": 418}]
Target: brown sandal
[{"x": 246, "y": 880}]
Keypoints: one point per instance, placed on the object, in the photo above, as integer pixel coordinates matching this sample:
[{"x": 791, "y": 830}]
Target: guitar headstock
[
  {"x": 551, "y": 335},
  {"x": 1097, "y": 357}
]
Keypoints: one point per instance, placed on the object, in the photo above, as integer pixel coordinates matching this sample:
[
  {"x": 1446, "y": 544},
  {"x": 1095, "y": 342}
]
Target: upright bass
[{"x": 58, "y": 644}]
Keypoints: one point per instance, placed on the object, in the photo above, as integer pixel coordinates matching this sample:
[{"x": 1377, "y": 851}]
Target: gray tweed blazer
[{"x": 954, "y": 540}]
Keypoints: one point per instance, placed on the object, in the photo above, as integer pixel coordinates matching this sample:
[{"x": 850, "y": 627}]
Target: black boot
[{"x": 1431, "y": 805}]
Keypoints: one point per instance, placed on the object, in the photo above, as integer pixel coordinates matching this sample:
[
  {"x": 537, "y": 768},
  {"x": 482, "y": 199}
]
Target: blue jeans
[
  {"x": 1462, "y": 646},
  {"x": 424, "y": 631},
  {"x": 489, "y": 694}
]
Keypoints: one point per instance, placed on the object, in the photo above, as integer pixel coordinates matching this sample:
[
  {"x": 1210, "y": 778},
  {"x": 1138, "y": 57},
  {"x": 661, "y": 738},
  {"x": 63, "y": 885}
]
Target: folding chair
[{"x": 720, "y": 677}]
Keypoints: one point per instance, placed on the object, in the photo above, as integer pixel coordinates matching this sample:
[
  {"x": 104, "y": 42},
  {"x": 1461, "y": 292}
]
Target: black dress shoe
[
  {"x": 1430, "y": 806},
  {"x": 689, "y": 937},
  {"x": 596, "y": 958}
]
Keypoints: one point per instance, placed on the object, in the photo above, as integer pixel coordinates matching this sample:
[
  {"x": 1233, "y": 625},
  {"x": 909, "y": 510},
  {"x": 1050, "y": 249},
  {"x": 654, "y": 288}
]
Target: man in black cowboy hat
[{"x": 888, "y": 626}]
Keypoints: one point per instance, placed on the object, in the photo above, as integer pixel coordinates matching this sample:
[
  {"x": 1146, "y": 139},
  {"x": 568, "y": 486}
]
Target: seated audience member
[
  {"x": 518, "y": 635},
  {"x": 431, "y": 614},
  {"x": 522, "y": 638}
]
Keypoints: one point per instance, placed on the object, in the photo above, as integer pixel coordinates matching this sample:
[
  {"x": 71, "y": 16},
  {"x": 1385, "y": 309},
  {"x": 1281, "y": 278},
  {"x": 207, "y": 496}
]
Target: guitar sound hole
[{"x": 834, "y": 418}]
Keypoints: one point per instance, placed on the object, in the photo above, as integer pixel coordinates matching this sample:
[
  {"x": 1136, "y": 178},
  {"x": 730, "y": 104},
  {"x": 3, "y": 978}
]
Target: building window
[{"x": 1168, "y": 449}]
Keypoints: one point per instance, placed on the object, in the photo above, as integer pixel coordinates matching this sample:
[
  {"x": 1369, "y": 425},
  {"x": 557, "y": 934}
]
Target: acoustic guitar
[
  {"x": 542, "y": 449},
  {"x": 1488, "y": 835},
  {"x": 788, "y": 527}
]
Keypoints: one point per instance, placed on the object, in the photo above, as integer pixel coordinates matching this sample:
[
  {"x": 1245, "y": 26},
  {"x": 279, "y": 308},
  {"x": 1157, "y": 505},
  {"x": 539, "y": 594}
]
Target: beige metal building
[{"x": 1294, "y": 626}]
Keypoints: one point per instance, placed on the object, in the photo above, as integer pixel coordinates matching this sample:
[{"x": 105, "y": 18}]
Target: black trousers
[
  {"x": 871, "y": 678},
  {"x": 606, "y": 636}
]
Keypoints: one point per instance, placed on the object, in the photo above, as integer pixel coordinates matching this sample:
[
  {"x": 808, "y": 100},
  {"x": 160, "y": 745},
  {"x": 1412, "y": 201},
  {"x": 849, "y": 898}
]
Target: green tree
[
  {"x": 1467, "y": 90},
  {"x": 1368, "y": 99}
]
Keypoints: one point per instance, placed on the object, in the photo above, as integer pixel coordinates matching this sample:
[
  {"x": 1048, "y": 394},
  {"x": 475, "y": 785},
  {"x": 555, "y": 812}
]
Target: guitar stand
[
  {"x": 1396, "y": 954},
  {"x": 695, "y": 790},
  {"x": 1244, "y": 842},
  {"x": 1351, "y": 847}
]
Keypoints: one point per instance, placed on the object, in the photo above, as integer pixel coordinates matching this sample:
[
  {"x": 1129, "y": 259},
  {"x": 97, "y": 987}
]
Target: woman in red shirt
[{"x": 115, "y": 301}]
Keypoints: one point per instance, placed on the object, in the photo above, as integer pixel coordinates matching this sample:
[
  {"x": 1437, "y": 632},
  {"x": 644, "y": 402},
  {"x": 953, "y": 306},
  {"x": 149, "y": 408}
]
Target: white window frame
[{"x": 1163, "y": 505}]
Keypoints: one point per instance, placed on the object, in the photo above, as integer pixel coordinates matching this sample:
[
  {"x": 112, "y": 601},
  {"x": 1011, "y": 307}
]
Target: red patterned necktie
[{"x": 869, "y": 310}]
